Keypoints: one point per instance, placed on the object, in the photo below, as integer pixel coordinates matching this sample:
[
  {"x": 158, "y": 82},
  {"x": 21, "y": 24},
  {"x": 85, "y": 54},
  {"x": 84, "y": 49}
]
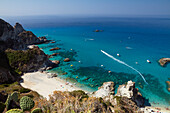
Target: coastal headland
[{"x": 24, "y": 81}]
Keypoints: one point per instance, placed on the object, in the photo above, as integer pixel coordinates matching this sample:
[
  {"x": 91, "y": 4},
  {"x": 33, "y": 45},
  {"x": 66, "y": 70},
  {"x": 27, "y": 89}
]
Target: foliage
[
  {"x": 19, "y": 58},
  {"x": 36, "y": 110},
  {"x": 26, "y": 103},
  {"x": 2, "y": 107},
  {"x": 24, "y": 90},
  {"x": 14, "y": 111},
  {"x": 66, "y": 102}
]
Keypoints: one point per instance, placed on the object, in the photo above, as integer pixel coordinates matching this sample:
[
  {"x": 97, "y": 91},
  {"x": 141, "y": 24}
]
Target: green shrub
[
  {"x": 79, "y": 93},
  {"x": 2, "y": 107},
  {"x": 24, "y": 90},
  {"x": 26, "y": 103},
  {"x": 14, "y": 111},
  {"x": 14, "y": 96},
  {"x": 36, "y": 110}
]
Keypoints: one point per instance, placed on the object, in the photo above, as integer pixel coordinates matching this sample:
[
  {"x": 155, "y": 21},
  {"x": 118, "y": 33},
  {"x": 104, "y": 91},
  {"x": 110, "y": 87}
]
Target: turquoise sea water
[{"x": 135, "y": 39}]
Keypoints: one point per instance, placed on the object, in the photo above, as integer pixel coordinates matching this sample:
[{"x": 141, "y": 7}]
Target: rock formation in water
[
  {"x": 168, "y": 85},
  {"x": 124, "y": 91},
  {"x": 164, "y": 61}
]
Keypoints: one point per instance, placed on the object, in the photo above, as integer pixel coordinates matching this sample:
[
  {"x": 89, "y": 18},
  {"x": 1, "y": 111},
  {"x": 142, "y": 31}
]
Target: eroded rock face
[
  {"x": 27, "y": 37},
  {"x": 130, "y": 92},
  {"x": 16, "y": 37},
  {"x": 5, "y": 71},
  {"x": 18, "y": 29},
  {"x": 164, "y": 61},
  {"x": 6, "y": 76},
  {"x": 105, "y": 90}
]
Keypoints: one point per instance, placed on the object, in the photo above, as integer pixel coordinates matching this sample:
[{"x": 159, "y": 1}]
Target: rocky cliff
[
  {"x": 16, "y": 37},
  {"x": 15, "y": 56}
]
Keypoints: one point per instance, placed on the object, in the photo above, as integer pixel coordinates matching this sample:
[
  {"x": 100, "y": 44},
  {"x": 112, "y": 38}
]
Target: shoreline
[{"x": 45, "y": 86}]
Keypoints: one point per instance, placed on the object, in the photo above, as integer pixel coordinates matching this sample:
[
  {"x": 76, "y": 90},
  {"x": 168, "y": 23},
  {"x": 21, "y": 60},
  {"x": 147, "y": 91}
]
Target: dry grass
[{"x": 75, "y": 102}]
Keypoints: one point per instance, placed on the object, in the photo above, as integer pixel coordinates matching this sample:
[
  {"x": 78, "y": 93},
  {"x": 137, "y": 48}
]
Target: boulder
[
  {"x": 56, "y": 62},
  {"x": 56, "y": 48},
  {"x": 168, "y": 85},
  {"x": 54, "y": 54},
  {"x": 164, "y": 61},
  {"x": 105, "y": 90},
  {"x": 66, "y": 60}
]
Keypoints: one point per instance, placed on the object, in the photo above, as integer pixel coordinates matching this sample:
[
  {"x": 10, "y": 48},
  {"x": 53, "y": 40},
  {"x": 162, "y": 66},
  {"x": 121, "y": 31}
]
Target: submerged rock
[
  {"x": 56, "y": 62},
  {"x": 54, "y": 54},
  {"x": 168, "y": 85},
  {"x": 56, "y": 48},
  {"x": 164, "y": 61},
  {"x": 66, "y": 60}
]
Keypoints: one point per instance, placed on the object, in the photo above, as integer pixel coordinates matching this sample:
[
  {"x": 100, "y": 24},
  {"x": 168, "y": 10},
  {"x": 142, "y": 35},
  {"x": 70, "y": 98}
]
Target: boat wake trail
[{"x": 119, "y": 61}]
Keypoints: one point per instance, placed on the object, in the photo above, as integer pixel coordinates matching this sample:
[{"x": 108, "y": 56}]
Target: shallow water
[{"x": 135, "y": 39}]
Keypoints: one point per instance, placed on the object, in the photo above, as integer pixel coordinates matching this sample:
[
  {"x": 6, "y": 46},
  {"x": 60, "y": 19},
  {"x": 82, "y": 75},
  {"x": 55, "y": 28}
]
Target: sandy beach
[{"x": 45, "y": 86}]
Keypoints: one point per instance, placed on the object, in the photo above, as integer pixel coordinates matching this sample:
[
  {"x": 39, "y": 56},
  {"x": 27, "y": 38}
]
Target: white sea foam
[
  {"x": 89, "y": 39},
  {"x": 119, "y": 61}
]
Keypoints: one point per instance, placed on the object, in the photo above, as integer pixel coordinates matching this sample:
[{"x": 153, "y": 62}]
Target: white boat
[
  {"x": 148, "y": 61},
  {"x": 118, "y": 54}
]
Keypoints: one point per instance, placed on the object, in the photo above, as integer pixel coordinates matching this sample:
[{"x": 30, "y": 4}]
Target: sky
[{"x": 84, "y": 7}]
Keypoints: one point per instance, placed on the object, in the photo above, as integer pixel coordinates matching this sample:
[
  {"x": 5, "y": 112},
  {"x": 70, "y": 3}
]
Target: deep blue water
[{"x": 147, "y": 38}]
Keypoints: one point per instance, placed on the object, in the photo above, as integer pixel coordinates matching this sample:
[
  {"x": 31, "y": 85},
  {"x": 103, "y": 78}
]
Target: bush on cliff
[{"x": 17, "y": 58}]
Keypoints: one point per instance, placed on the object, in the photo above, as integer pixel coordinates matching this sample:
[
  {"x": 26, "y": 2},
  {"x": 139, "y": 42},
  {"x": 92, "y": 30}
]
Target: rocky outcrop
[
  {"x": 164, "y": 61},
  {"x": 128, "y": 90},
  {"x": 16, "y": 37},
  {"x": 27, "y": 37},
  {"x": 6, "y": 74},
  {"x": 168, "y": 85},
  {"x": 105, "y": 90},
  {"x": 18, "y": 29},
  {"x": 28, "y": 60}
]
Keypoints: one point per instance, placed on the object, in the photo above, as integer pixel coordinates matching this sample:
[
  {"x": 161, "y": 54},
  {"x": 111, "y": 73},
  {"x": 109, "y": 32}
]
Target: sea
[{"x": 118, "y": 52}]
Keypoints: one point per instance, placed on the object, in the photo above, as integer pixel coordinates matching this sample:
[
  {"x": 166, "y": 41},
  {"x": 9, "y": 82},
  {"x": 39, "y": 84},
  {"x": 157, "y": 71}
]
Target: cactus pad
[
  {"x": 26, "y": 103},
  {"x": 37, "y": 110},
  {"x": 8, "y": 101},
  {"x": 14, "y": 96},
  {"x": 14, "y": 111}
]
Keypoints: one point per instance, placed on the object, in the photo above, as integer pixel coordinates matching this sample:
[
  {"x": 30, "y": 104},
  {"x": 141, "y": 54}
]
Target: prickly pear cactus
[
  {"x": 14, "y": 96},
  {"x": 26, "y": 103},
  {"x": 36, "y": 110},
  {"x": 8, "y": 101},
  {"x": 14, "y": 111}
]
